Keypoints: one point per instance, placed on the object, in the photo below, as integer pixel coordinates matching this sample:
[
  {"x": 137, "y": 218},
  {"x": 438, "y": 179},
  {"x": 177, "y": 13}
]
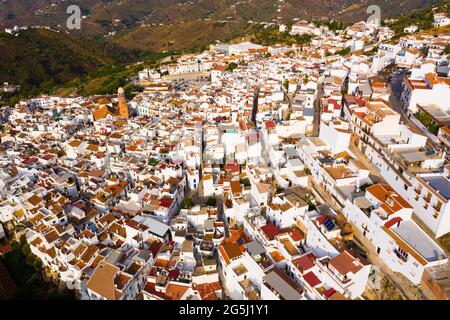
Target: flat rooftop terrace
[{"x": 409, "y": 232}]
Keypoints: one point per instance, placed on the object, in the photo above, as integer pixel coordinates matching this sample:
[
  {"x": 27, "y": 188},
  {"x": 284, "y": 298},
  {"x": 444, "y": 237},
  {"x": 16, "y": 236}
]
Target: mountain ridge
[{"x": 102, "y": 14}]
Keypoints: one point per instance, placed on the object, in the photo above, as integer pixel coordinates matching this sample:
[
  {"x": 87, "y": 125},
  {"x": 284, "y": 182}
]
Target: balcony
[
  {"x": 436, "y": 214},
  {"x": 437, "y": 207},
  {"x": 400, "y": 256}
]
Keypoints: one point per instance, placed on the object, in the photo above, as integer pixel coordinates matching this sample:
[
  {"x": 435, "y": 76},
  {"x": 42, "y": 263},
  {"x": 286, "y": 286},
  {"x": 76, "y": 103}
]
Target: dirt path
[
  {"x": 406, "y": 287},
  {"x": 408, "y": 290}
]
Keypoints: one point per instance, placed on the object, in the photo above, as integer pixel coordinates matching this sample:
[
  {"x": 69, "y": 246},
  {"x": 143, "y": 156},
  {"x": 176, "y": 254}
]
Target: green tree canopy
[{"x": 211, "y": 202}]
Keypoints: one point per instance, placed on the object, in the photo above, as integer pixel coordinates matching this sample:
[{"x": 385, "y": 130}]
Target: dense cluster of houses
[{"x": 98, "y": 185}]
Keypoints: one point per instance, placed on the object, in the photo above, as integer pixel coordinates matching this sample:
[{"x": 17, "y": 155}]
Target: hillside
[
  {"x": 88, "y": 62},
  {"x": 134, "y": 12},
  {"x": 423, "y": 18},
  {"x": 229, "y": 19},
  {"x": 40, "y": 59}
]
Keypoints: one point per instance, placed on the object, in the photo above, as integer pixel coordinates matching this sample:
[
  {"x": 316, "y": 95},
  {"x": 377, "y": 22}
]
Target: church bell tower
[{"x": 123, "y": 108}]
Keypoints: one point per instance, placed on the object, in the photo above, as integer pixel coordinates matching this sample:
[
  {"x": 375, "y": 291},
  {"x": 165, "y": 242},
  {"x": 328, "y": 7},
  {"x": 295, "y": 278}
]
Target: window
[
  {"x": 438, "y": 206},
  {"x": 402, "y": 253}
]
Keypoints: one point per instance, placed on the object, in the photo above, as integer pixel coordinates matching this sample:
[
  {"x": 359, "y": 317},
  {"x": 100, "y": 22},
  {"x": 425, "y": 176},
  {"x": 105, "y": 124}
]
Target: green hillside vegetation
[
  {"x": 103, "y": 16},
  {"x": 271, "y": 35},
  {"x": 423, "y": 18},
  {"x": 41, "y": 60},
  {"x": 108, "y": 79},
  {"x": 197, "y": 34},
  {"x": 44, "y": 61},
  {"x": 332, "y": 25},
  {"x": 27, "y": 271}
]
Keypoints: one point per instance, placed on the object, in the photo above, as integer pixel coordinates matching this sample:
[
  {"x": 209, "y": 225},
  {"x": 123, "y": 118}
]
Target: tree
[
  {"x": 211, "y": 202},
  {"x": 23, "y": 240},
  {"x": 343, "y": 52},
  {"x": 37, "y": 264},
  {"x": 187, "y": 203},
  {"x": 15, "y": 245},
  {"x": 153, "y": 162},
  {"x": 231, "y": 66},
  {"x": 30, "y": 260},
  {"x": 447, "y": 49},
  {"x": 305, "y": 79},
  {"x": 246, "y": 182},
  {"x": 26, "y": 249},
  {"x": 303, "y": 39}
]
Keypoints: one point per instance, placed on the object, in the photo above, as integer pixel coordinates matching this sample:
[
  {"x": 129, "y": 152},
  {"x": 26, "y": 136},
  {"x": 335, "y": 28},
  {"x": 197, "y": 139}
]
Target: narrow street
[
  {"x": 395, "y": 84},
  {"x": 374, "y": 175},
  {"x": 317, "y": 111}
]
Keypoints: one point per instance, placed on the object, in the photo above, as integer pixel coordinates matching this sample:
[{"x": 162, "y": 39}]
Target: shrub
[
  {"x": 231, "y": 66},
  {"x": 23, "y": 240},
  {"x": 15, "y": 245},
  {"x": 343, "y": 52},
  {"x": 30, "y": 260},
  {"x": 245, "y": 182},
  {"x": 37, "y": 264},
  {"x": 187, "y": 203},
  {"x": 211, "y": 202},
  {"x": 26, "y": 249}
]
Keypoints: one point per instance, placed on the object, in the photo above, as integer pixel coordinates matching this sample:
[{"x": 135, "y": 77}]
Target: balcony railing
[{"x": 400, "y": 256}]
